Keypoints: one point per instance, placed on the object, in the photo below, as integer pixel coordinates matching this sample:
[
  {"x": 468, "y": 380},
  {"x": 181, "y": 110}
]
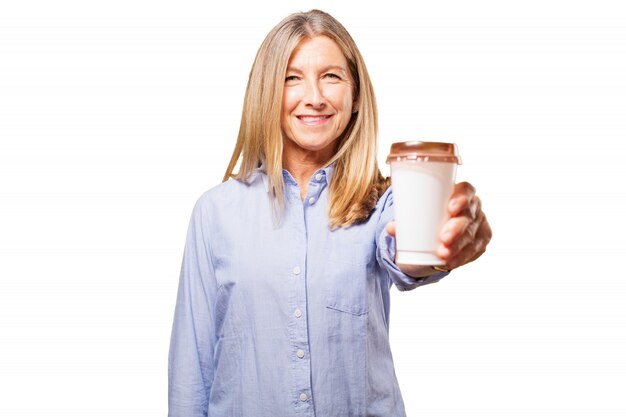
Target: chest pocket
[{"x": 348, "y": 274}]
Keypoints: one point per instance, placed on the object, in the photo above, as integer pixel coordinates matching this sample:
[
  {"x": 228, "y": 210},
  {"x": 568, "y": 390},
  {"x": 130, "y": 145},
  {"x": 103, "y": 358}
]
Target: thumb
[{"x": 391, "y": 228}]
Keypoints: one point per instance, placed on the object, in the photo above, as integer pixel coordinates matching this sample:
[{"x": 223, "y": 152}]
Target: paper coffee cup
[{"x": 422, "y": 179}]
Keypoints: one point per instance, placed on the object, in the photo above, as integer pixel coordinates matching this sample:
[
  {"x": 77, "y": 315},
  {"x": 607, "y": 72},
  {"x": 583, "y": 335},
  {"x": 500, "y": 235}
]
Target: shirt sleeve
[
  {"x": 190, "y": 365},
  {"x": 386, "y": 250}
]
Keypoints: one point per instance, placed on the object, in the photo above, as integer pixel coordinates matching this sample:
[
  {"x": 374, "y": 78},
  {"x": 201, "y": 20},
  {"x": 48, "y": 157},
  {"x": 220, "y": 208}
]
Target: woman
[{"x": 283, "y": 302}]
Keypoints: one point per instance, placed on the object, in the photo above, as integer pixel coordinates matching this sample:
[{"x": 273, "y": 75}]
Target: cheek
[
  {"x": 290, "y": 99},
  {"x": 341, "y": 99}
]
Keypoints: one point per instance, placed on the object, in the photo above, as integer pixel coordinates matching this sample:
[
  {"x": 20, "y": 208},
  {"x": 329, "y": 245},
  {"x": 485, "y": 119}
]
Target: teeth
[{"x": 312, "y": 118}]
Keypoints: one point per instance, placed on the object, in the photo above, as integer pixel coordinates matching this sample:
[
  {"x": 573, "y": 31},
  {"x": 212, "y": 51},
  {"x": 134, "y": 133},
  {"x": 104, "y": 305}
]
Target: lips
[{"x": 313, "y": 119}]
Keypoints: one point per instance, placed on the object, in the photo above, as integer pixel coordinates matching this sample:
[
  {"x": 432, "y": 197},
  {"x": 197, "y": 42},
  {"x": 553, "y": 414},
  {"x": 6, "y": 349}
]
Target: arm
[{"x": 193, "y": 332}]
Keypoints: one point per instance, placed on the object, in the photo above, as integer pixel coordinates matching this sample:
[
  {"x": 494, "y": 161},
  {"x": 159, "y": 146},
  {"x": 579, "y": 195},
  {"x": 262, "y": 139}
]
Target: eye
[
  {"x": 291, "y": 78},
  {"x": 332, "y": 75}
]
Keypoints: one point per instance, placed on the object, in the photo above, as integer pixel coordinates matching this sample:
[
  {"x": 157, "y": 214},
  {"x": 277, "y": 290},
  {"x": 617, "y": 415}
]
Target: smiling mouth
[{"x": 314, "y": 119}]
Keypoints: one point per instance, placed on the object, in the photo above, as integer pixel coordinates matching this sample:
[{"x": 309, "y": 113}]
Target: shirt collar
[{"x": 326, "y": 172}]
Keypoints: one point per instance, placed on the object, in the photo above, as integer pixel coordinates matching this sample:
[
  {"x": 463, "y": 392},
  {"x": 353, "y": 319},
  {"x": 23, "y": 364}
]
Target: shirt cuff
[{"x": 402, "y": 281}]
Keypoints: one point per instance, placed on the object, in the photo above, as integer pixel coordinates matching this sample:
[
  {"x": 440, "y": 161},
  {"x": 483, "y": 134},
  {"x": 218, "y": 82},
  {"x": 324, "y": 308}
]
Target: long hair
[{"x": 356, "y": 183}]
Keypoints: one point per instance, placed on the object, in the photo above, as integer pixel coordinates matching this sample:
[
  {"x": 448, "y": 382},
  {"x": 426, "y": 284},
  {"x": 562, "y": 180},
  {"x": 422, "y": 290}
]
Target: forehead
[{"x": 317, "y": 50}]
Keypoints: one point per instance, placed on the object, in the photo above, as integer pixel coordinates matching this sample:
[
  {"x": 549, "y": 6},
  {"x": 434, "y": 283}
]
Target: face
[{"x": 317, "y": 99}]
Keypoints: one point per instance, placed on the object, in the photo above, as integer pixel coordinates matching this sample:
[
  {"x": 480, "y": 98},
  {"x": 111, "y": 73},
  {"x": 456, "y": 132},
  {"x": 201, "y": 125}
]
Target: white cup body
[{"x": 421, "y": 191}]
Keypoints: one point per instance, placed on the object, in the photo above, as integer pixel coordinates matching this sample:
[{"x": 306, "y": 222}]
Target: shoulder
[
  {"x": 385, "y": 201},
  {"x": 230, "y": 194},
  {"x": 384, "y": 211}
]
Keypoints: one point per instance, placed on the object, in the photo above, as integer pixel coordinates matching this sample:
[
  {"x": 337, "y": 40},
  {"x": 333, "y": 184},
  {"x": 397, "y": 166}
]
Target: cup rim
[{"x": 417, "y": 151}]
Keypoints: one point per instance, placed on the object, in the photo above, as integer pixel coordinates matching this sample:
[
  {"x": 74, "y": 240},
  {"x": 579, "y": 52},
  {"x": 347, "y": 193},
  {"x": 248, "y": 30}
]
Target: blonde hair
[{"x": 356, "y": 183}]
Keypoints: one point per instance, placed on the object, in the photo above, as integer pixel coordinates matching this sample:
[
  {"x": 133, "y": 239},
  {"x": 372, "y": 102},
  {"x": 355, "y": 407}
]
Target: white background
[{"x": 115, "y": 116}]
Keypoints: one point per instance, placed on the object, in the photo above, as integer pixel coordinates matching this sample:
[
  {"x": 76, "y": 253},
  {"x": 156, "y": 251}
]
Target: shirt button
[
  {"x": 318, "y": 177},
  {"x": 296, "y": 270},
  {"x": 297, "y": 313},
  {"x": 311, "y": 200},
  {"x": 300, "y": 354},
  {"x": 303, "y": 397}
]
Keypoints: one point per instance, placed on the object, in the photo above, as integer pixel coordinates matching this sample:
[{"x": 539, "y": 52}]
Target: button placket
[
  {"x": 315, "y": 187},
  {"x": 299, "y": 343}
]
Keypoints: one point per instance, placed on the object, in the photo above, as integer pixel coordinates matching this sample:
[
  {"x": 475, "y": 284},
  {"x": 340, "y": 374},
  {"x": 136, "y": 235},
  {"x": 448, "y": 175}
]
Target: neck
[{"x": 302, "y": 165}]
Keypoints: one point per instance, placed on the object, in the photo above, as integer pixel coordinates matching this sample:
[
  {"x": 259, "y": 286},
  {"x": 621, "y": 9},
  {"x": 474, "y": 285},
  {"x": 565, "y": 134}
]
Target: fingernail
[{"x": 446, "y": 234}]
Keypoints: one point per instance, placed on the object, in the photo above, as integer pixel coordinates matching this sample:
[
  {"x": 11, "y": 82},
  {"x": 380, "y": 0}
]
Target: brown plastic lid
[{"x": 424, "y": 152}]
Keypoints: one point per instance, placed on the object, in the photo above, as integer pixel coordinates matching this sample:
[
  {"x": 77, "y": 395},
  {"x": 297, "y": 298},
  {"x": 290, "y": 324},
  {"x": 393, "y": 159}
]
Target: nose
[{"x": 314, "y": 96}]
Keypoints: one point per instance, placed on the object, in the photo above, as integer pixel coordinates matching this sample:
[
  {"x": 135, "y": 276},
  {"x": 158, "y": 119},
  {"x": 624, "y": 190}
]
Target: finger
[
  {"x": 485, "y": 234},
  {"x": 461, "y": 197},
  {"x": 474, "y": 250},
  {"x": 455, "y": 226},
  {"x": 475, "y": 206},
  {"x": 453, "y": 247},
  {"x": 391, "y": 228}
]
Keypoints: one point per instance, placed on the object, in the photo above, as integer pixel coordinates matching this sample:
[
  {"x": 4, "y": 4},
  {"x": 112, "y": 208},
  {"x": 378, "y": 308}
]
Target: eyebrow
[{"x": 329, "y": 67}]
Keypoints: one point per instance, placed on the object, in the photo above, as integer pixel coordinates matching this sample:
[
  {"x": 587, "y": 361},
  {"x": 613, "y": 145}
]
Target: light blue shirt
[{"x": 284, "y": 321}]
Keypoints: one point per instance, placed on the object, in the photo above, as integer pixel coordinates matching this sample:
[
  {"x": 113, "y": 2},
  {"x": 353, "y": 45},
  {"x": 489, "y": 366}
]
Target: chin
[{"x": 313, "y": 146}]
